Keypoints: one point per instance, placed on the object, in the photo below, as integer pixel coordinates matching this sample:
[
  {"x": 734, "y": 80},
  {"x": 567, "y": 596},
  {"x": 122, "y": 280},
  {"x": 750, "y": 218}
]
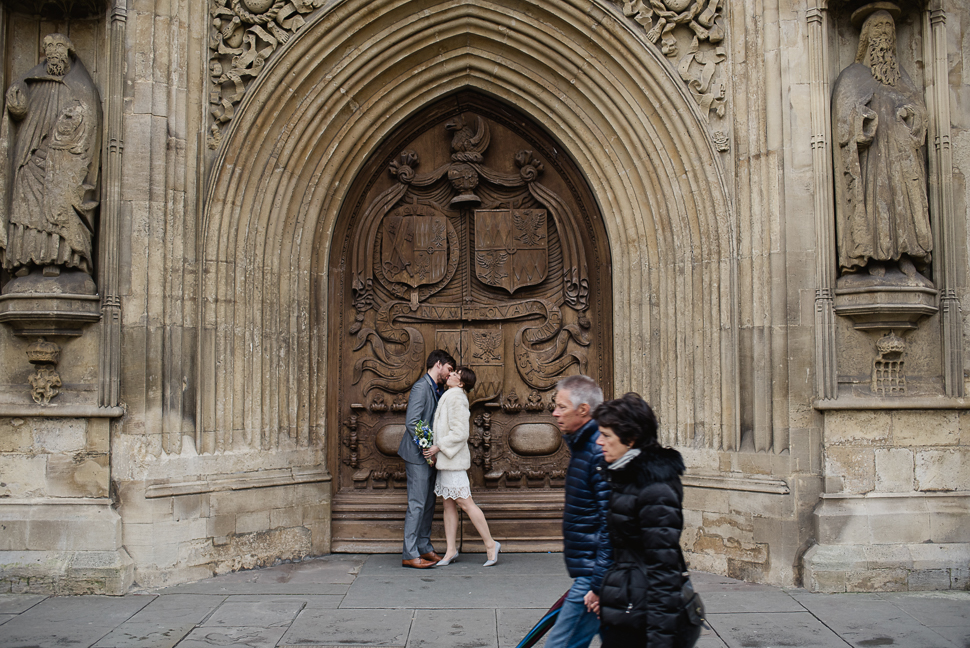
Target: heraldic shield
[
  {"x": 511, "y": 247},
  {"x": 414, "y": 246}
]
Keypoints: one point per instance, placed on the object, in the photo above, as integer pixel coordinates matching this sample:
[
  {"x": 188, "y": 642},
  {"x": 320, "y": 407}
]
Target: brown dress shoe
[
  {"x": 432, "y": 556},
  {"x": 418, "y": 563}
]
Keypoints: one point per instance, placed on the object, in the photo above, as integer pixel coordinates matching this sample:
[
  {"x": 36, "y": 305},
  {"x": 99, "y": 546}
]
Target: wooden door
[{"x": 471, "y": 231}]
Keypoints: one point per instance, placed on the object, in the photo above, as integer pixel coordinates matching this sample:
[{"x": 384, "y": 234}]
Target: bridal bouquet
[{"x": 424, "y": 437}]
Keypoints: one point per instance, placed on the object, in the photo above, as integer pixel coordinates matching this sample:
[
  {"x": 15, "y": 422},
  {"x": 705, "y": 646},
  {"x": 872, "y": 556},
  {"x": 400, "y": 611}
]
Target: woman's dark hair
[
  {"x": 630, "y": 418},
  {"x": 467, "y": 377}
]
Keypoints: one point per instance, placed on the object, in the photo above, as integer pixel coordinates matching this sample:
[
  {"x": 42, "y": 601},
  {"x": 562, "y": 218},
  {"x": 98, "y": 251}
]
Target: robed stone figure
[
  {"x": 879, "y": 123},
  {"x": 52, "y": 142}
]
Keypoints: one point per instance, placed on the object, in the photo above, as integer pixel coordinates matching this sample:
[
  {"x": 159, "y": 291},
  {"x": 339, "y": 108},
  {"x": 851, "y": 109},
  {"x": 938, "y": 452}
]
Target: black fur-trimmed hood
[{"x": 654, "y": 464}]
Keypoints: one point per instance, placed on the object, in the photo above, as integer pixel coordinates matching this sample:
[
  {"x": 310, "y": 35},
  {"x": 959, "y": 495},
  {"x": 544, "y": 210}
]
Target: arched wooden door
[{"x": 472, "y": 231}]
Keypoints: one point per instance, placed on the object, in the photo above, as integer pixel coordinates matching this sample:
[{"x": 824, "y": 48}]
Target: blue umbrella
[{"x": 542, "y": 627}]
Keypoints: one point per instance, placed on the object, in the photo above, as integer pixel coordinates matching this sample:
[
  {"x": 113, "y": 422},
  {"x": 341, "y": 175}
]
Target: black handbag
[{"x": 692, "y": 615}]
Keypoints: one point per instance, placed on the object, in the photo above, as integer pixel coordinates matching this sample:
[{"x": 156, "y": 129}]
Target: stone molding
[
  {"x": 239, "y": 481},
  {"x": 732, "y": 483},
  {"x": 912, "y": 403},
  {"x": 676, "y": 206},
  {"x": 60, "y": 411}
]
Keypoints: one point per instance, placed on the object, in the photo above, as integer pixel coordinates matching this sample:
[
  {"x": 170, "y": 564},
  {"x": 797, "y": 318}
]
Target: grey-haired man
[{"x": 586, "y": 542}]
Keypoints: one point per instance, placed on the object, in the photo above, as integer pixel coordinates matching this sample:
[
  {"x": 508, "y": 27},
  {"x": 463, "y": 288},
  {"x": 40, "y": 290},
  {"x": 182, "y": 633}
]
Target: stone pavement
[{"x": 357, "y": 600}]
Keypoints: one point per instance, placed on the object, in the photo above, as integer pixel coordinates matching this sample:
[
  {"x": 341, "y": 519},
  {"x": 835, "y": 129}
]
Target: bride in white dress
[{"x": 451, "y": 420}]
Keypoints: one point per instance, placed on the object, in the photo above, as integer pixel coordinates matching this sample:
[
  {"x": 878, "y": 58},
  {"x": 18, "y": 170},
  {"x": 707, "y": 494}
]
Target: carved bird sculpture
[
  {"x": 466, "y": 141},
  {"x": 529, "y": 223},
  {"x": 487, "y": 344}
]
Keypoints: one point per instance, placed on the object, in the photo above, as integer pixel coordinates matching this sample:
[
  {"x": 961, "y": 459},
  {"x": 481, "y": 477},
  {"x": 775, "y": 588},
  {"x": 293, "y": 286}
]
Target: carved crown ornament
[{"x": 245, "y": 33}]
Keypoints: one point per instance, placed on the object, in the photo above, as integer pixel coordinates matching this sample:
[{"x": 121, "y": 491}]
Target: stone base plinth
[
  {"x": 890, "y": 542},
  {"x": 887, "y": 568},
  {"x": 62, "y": 546},
  {"x": 66, "y": 572}
]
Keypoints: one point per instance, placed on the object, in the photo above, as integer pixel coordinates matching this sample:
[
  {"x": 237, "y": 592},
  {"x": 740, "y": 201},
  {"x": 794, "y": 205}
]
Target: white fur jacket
[{"x": 450, "y": 428}]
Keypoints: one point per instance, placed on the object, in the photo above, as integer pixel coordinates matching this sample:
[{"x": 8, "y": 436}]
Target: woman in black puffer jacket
[{"x": 640, "y": 599}]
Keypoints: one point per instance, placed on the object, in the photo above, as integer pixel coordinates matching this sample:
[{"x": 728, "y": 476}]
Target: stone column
[
  {"x": 825, "y": 365},
  {"x": 942, "y": 210},
  {"x": 110, "y": 369}
]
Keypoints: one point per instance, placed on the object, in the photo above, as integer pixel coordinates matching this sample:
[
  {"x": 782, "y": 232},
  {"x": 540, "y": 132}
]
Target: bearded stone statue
[
  {"x": 879, "y": 126},
  {"x": 53, "y": 141}
]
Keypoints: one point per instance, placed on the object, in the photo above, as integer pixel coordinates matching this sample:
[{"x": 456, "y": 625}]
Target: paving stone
[
  {"x": 421, "y": 590},
  {"x": 760, "y": 630},
  {"x": 70, "y": 621},
  {"x": 722, "y": 602},
  {"x": 866, "y": 620},
  {"x": 539, "y": 564},
  {"x": 163, "y": 622},
  {"x": 6, "y": 617},
  {"x": 513, "y": 624},
  {"x": 261, "y": 612},
  {"x": 934, "y": 609},
  {"x": 329, "y": 575},
  {"x": 248, "y": 637},
  {"x": 959, "y": 636},
  {"x": 17, "y": 603},
  {"x": 372, "y": 627},
  {"x": 450, "y": 628},
  {"x": 710, "y": 640}
]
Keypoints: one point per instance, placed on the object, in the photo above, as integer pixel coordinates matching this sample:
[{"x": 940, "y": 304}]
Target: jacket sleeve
[
  {"x": 604, "y": 548},
  {"x": 455, "y": 435},
  {"x": 661, "y": 521},
  {"x": 417, "y": 406}
]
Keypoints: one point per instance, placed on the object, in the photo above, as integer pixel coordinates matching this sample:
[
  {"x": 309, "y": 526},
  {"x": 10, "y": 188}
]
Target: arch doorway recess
[{"x": 470, "y": 230}]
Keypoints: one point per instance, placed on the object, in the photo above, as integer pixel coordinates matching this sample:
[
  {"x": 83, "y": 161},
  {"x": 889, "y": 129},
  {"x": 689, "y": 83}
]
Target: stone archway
[{"x": 337, "y": 91}]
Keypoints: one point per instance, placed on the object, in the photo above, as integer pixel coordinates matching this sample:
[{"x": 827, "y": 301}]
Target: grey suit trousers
[{"x": 421, "y": 501}]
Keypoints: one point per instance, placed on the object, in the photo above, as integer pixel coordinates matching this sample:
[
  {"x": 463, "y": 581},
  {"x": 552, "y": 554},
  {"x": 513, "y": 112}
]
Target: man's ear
[{"x": 583, "y": 409}]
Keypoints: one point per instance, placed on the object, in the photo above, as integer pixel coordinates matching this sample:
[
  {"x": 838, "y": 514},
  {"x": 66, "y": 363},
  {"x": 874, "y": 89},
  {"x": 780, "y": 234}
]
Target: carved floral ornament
[{"x": 245, "y": 33}]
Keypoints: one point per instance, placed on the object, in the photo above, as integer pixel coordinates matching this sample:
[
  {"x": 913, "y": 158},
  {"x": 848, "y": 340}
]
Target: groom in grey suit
[{"x": 422, "y": 403}]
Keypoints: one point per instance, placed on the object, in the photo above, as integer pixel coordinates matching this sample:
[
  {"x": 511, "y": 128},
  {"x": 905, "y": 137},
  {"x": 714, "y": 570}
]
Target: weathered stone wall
[{"x": 719, "y": 210}]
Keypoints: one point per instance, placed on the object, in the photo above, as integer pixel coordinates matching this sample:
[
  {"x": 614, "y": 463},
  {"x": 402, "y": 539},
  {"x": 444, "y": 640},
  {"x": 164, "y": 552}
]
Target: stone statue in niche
[
  {"x": 53, "y": 139},
  {"x": 879, "y": 125}
]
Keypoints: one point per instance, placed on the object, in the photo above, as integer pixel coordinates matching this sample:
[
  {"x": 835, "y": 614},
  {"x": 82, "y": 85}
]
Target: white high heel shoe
[
  {"x": 489, "y": 563},
  {"x": 444, "y": 562}
]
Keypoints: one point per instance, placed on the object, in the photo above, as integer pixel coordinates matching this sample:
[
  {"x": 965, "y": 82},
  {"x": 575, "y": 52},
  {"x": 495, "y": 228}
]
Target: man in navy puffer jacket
[{"x": 586, "y": 542}]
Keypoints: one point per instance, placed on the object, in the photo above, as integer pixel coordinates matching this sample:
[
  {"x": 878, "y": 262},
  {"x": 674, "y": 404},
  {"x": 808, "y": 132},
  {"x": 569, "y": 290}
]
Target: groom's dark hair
[{"x": 442, "y": 356}]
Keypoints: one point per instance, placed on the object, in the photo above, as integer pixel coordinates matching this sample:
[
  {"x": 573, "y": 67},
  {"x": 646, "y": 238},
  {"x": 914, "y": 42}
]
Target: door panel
[{"x": 473, "y": 232}]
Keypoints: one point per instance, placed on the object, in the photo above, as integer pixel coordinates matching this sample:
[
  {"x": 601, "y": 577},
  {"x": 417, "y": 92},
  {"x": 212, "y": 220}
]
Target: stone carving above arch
[
  {"x": 242, "y": 35},
  {"x": 245, "y": 33},
  {"x": 668, "y": 24}
]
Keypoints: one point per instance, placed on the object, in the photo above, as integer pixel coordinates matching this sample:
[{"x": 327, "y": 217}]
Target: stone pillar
[{"x": 825, "y": 365}]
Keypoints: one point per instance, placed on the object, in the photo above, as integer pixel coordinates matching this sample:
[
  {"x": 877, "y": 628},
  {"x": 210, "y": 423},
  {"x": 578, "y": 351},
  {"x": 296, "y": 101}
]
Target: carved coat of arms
[
  {"x": 511, "y": 247},
  {"x": 414, "y": 248}
]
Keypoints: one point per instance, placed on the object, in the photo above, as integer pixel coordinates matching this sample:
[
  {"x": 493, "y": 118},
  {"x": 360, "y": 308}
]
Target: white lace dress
[{"x": 452, "y": 484}]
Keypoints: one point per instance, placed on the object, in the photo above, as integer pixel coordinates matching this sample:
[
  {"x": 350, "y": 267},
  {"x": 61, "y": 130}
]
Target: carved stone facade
[{"x": 292, "y": 201}]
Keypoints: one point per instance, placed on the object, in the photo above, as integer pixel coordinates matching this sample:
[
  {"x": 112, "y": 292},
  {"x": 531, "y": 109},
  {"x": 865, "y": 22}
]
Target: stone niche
[{"x": 61, "y": 533}]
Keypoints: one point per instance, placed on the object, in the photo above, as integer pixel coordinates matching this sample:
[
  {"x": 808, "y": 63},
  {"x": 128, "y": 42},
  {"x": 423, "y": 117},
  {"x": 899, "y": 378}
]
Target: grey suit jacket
[{"x": 422, "y": 403}]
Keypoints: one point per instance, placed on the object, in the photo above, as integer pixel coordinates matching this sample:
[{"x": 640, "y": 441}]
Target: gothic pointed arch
[{"x": 341, "y": 85}]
